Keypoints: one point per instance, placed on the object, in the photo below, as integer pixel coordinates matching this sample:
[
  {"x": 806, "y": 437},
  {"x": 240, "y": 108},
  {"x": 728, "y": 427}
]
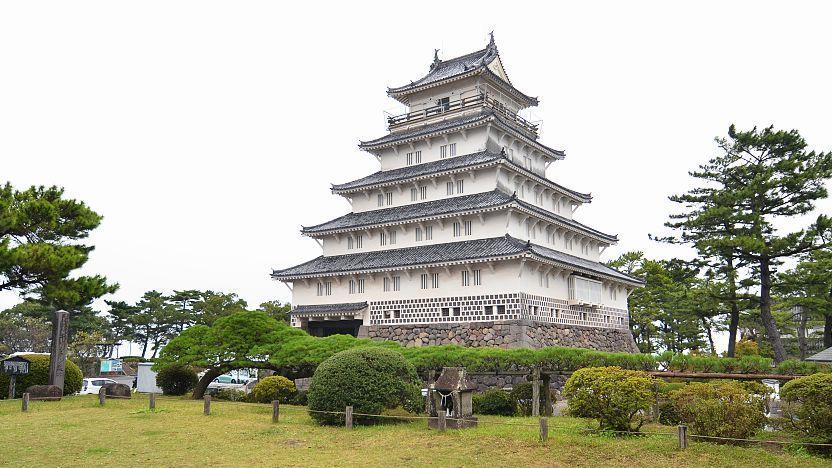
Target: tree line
[{"x": 744, "y": 219}]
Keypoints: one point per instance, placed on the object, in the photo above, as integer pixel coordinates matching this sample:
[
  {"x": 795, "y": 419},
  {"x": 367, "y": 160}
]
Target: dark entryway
[{"x": 333, "y": 327}]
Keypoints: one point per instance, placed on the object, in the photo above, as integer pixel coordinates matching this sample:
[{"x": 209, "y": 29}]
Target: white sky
[{"x": 207, "y": 132}]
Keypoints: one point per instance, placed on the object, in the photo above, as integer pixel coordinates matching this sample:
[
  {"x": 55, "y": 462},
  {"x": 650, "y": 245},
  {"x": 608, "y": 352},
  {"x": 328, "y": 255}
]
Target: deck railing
[{"x": 479, "y": 100}]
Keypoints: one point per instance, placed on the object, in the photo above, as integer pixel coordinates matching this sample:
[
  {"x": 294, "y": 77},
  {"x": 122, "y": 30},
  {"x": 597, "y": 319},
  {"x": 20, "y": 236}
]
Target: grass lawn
[{"x": 78, "y": 431}]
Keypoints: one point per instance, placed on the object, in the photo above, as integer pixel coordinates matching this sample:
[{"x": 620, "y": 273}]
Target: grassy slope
[{"x": 76, "y": 430}]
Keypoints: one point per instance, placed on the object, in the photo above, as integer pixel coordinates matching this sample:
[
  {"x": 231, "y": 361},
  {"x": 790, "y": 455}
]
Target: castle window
[
  {"x": 457, "y": 311},
  {"x": 359, "y": 242},
  {"x": 414, "y": 194},
  {"x": 466, "y": 278},
  {"x": 443, "y": 151},
  {"x": 434, "y": 280},
  {"x": 457, "y": 229},
  {"x": 444, "y": 104},
  {"x": 397, "y": 283},
  {"x": 446, "y": 312},
  {"x": 409, "y": 158},
  {"x": 393, "y": 238},
  {"x": 325, "y": 288},
  {"x": 389, "y": 198},
  {"x": 460, "y": 186},
  {"x": 418, "y": 231},
  {"x": 428, "y": 232},
  {"x": 361, "y": 286},
  {"x": 468, "y": 226},
  {"x": 424, "y": 280},
  {"x": 418, "y": 157},
  {"x": 386, "y": 284},
  {"x": 488, "y": 310},
  {"x": 452, "y": 149},
  {"x": 449, "y": 188},
  {"x": 477, "y": 277},
  {"x": 423, "y": 192},
  {"x": 352, "y": 287},
  {"x": 501, "y": 309},
  {"x": 382, "y": 238},
  {"x": 397, "y": 314},
  {"x": 527, "y": 162},
  {"x": 380, "y": 200}
]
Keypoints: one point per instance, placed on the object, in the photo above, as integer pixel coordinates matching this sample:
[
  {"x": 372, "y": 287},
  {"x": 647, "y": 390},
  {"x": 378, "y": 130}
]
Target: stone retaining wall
[{"x": 512, "y": 334}]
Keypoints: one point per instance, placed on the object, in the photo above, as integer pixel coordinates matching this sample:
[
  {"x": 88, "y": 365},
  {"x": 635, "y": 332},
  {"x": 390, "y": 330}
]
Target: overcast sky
[{"x": 206, "y": 133}]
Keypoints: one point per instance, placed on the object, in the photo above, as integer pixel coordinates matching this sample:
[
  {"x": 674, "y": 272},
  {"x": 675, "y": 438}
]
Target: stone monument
[{"x": 57, "y": 354}]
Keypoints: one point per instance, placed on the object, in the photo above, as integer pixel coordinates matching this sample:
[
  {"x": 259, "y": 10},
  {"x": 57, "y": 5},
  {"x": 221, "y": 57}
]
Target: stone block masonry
[{"x": 505, "y": 334}]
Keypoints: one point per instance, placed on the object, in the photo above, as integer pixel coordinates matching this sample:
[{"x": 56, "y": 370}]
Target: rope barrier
[{"x": 782, "y": 442}]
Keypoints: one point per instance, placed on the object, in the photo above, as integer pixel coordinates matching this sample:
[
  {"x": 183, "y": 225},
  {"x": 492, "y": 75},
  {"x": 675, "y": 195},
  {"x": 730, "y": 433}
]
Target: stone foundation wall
[{"x": 512, "y": 334}]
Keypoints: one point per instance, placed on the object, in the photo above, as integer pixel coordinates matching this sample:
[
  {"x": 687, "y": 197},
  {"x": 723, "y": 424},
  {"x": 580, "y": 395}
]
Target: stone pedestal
[{"x": 57, "y": 354}]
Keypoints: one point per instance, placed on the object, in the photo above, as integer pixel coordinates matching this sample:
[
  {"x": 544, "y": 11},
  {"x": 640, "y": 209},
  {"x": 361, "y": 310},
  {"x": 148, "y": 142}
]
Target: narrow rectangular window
[
  {"x": 452, "y": 149},
  {"x": 457, "y": 229},
  {"x": 477, "y": 277},
  {"x": 328, "y": 288},
  {"x": 443, "y": 151},
  {"x": 414, "y": 194},
  {"x": 361, "y": 286},
  {"x": 320, "y": 289},
  {"x": 466, "y": 279},
  {"x": 380, "y": 200},
  {"x": 424, "y": 279},
  {"x": 460, "y": 186},
  {"x": 388, "y": 198},
  {"x": 428, "y": 232},
  {"x": 489, "y": 310},
  {"x": 386, "y": 285},
  {"x": 393, "y": 238},
  {"x": 434, "y": 280},
  {"x": 449, "y": 188},
  {"x": 352, "y": 287},
  {"x": 423, "y": 192},
  {"x": 382, "y": 238},
  {"x": 418, "y": 234},
  {"x": 468, "y": 225},
  {"x": 418, "y": 157},
  {"x": 350, "y": 243},
  {"x": 409, "y": 159},
  {"x": 397, "y": 283},
  {"x": 359, "y": 242}
]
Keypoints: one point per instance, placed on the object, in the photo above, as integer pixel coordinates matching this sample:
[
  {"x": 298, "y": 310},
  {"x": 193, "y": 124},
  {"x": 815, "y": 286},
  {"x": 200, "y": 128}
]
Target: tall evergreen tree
[{"x": 809, "y": 286}]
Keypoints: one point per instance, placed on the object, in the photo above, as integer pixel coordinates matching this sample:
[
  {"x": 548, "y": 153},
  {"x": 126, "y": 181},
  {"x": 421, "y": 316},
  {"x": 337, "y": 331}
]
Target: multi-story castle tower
[{"x": 460, "y": 237}]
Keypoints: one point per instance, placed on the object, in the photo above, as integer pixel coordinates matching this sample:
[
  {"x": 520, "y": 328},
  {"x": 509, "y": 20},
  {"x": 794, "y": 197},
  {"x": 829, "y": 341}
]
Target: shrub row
[{"x": 39, "y": 375}]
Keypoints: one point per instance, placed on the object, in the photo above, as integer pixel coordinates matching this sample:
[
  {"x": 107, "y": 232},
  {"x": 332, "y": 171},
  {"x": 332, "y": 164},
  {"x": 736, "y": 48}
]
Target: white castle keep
[{"x": 460, "y": 237}]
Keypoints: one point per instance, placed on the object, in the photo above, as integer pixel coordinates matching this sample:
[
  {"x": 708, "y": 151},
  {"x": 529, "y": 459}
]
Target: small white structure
[{"x": 147, "y": 379}]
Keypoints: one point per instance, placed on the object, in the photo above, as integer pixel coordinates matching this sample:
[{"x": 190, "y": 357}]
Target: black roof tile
[{"x": 328, "y": 308}]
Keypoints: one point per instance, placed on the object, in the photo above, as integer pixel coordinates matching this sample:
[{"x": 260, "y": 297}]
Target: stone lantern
[{"x": 453, "y": 394}]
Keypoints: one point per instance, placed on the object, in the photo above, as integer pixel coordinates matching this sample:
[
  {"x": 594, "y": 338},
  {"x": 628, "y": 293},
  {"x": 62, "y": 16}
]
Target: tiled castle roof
[
  {"x": 328, "y": 308},
  {"x": 448, "y": 165},
  {"x": 497, "y": 248},
  {"x": 459, "y": 67},
  {"x": 446, "y": 207}
]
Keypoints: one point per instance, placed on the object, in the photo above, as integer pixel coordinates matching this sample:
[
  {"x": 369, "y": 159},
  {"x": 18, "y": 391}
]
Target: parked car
[{"x": 91, "y": 386}]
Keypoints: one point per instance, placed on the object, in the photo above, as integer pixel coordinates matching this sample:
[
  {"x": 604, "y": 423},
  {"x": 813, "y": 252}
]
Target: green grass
[{"x": 78, "y": 431}]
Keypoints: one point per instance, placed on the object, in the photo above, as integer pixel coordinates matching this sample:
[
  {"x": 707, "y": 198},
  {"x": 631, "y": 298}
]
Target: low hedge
[
  {"x": 275, "y": 387},
  {"x": 809, "y": 409},
  {"x": 495, "y": 402},
  {"x": 720, "y": 409},
  {"x": 176, "y": 380},
  {"x": 39, "y": 375},
  {"x": 617, "y": 398}
]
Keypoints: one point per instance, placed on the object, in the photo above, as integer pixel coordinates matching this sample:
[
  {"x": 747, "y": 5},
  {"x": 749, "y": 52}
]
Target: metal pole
[
  {"x": 349, "y": 417},
  {"x": 275, "y": 411},
  {"x": 441, "y": 422},
  {"x": 206, "y": 408},
  {"x": 683, "y": 437},
  {"x": 152, "y": 401},
  {"x": 102, "y": 396},
  {"x": 544, "y": 430},
  {"x": 25, "y": 406}
]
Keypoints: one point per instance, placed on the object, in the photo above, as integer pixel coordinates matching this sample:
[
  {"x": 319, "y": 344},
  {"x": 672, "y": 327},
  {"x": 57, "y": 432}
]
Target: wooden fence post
[
  {"x": 152, "y": 401},
  {"x": 683, "y": 437},
  {"x": 275, "y": 411},
  {"x": 544, "y": 430},
  {"x": 348, "y": 417},
  {"x": 536, "y": 393},
  {"x": 12, "y": 383},
  {"x": 102, "y": 396},
  {"x": 440, "y": 424},
  {"x": 25, "y": 407},
  {"x": 206, "y": 407}
]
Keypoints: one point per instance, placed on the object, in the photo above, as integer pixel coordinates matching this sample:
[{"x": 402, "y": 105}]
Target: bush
[
  {"x": 809, "y": 407},
  {"x": 275, "y": 387},
  {"x": 616, "y": 397},
  {"x": 39, "y": 375},
  {"x": 300, "y": 398},
  {"x": 176, "y": 380},
  {"x": 496, "y": 402},
  {"x": 231, "y": 394},
  {"x": 720, "y": 409},
  {"x": 370, "y": 379},
  {"x": 522, "y": 395}
]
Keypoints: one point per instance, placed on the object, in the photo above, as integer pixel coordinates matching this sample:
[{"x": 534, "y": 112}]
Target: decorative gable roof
[
  {"x": 455, "y": 125},
  {"x": 482, "y": 250},
  {"x": 484, "y": 61},
  {"x": 448, "y": 207},
  {"x": 450, "y": 165},
  {"x": 823, "y": 356}
]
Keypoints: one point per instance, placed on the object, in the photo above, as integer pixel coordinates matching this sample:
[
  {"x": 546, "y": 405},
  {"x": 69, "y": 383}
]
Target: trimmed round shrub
[
  {"x": 39, "y": 375},
  {"x": 616, "y": 397},
  {"x": 720, "y": 409},
  {"x": 176, "y": 380},
  {"x": 370, "y": 379},
  {"x": 275, "y": 387},
  {"x": 231, "y": 394},
  {"x": 809, "y": 407},
  {"x": 496, "y": 402}
]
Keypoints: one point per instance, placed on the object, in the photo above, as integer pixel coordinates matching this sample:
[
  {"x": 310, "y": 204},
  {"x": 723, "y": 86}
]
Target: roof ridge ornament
[
  {"x": 436, "y": 60},
  {"x": 491, "y": 42}
]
